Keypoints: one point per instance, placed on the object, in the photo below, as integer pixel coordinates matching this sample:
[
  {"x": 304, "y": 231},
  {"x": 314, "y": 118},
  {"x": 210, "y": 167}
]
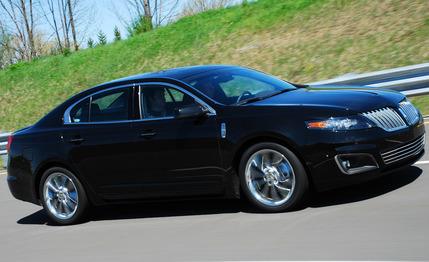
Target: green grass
[
  {"x": 299, "y": 40},
  {"x": 422, "y": 103}
]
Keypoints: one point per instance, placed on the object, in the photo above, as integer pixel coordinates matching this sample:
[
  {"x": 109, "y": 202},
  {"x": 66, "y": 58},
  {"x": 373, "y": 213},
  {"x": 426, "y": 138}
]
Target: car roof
[
  {"x": 179, "y": 73},
  {"x": 175, "y": 74}
]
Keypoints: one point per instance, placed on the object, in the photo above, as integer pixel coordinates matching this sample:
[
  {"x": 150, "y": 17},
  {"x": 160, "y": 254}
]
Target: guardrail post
[{"x": 4, "y": 161}]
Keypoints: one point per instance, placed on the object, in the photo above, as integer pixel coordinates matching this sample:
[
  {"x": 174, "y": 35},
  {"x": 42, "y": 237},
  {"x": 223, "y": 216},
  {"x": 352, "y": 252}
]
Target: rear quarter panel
[{"x": 33, "y": 151}]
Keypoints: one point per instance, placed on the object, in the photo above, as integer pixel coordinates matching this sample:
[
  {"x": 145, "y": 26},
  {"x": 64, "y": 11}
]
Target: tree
[
  {"x": 29, "y": 24},
  {"x": 193, "y": 7},
  {"x": 7, "y": 56},
  {"x": 147, "y": 14},
  {"x": 72, "y": 24},
  {"x": 142, "y": 21},
  {"x": 20, "y": 16},
  {"x": 102, "y": 39},
  {"x": 90, "y": 43},
  {"x": 163, "y": 14},
  {"x": 63, "y": 18},
  {"x": 138, "y": 26},
  {"x": 117, "y": 34},
  {"x": 62, "y": 9},
  {"x": 52, "y": 20}
]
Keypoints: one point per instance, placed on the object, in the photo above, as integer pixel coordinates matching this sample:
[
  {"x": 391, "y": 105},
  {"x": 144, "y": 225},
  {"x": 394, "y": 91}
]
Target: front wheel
[
  {"x": 63, "y": 196},
  {"x": 272, "y": 177}
]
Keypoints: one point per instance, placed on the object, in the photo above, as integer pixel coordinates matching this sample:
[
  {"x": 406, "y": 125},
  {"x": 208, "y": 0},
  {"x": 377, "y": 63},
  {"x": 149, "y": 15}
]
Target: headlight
[
  {"x": 340, "y": 123},
  {"x": 410, "y": 112}
]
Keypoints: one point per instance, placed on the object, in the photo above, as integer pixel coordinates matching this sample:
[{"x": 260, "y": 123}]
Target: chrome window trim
[
  {"x": 67, "y": 118},
  {"x": 197, "y": 100},
  {"x": 89, "y": 109},
  {"x": 139, "y": 99}
]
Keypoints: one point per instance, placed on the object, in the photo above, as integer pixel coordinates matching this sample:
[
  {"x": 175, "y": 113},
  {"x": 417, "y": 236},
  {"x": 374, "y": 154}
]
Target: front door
[{"x": 176, "y": 157}]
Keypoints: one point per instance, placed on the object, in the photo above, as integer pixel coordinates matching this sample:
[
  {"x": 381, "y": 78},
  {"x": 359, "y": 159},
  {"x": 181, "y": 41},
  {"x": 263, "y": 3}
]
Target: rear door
[{"x": 99, "y": 138}]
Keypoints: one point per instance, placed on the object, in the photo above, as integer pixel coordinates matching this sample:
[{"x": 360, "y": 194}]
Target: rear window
[
  {"x": 113, "y": 105},
  {"x": 110, "y": 106}
]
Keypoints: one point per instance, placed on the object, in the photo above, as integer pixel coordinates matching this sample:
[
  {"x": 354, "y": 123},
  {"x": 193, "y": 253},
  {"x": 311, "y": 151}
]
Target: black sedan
[{"x": 209, "y": 131}]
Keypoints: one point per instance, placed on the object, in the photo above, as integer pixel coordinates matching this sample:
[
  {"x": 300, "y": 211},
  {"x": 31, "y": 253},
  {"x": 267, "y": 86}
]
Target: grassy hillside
[
  {"x": 422, "y": 102},
  {"x": 298, "y": 40}
]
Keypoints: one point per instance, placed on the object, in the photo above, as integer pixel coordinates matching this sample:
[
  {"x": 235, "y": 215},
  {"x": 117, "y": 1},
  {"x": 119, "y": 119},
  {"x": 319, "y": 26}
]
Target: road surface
[{"x": 386, "y": 219}]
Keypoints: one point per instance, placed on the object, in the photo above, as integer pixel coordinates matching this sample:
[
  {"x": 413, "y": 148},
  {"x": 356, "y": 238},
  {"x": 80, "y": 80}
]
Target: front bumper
[{"x": 390, "y": 150}]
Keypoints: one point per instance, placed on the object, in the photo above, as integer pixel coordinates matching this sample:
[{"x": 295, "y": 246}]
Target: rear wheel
[
  {"x": 63, "y": 196},
  {"x": 272, "y": 177}
]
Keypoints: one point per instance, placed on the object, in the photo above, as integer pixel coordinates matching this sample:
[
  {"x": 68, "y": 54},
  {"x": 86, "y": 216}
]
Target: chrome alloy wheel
[
  {"x": 60, "y": 195},
  {"x": 270, "y": 177}
]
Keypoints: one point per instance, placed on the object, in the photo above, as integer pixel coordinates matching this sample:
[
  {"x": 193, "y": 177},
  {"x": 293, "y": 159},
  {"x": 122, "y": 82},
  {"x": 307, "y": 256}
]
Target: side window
[
  {"x": 80, "y": 112},
  {"x": 110, "y": 106},
  {"x": 159, "y": 102},
  {"x": 175, "y": 95}
]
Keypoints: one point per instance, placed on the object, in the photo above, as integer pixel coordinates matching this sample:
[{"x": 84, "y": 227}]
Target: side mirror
[{"x": 193, "y": 111}]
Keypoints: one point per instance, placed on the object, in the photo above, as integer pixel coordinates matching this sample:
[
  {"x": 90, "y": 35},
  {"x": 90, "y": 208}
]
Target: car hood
[{"x": 358, "y": 99}]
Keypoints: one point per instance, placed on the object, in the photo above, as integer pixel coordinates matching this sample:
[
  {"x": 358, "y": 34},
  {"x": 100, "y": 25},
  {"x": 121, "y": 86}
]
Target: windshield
[{"x": 235, "y": 86}]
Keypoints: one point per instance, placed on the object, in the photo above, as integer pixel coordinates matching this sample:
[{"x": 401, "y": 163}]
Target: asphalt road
[{"x": 386, "y": 219}]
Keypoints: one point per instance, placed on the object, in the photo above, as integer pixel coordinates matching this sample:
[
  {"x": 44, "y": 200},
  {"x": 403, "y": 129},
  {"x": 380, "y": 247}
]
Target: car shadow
[
  {"x": 367, "y": 190},
  {"x": 340, "y": 196},
  {"x": 150, "y": 210}
]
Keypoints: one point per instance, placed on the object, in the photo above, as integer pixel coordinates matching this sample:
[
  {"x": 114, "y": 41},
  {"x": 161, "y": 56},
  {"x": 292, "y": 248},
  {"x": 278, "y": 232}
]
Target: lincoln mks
[{"x": 209, "y": 131}]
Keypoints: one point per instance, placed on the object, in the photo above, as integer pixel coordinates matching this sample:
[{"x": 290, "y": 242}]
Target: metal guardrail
[
  {"x": 3, "y": 145},
  {"x": 410, "y": 80}
]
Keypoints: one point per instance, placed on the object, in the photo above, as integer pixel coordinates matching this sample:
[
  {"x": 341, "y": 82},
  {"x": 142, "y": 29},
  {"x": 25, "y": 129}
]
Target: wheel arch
[
  {"x": 269, "y": 138},
  {"x": 62, "y": 164}
]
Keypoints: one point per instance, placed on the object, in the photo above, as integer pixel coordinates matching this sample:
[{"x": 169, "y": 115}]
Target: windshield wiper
[
  {"x": 259, "y": 98},
  {"x": 250, "y": 100}
]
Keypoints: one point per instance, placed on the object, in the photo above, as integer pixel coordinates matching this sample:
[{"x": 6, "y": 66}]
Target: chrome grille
[
  {"x": 408, "y": 150},
  {"x": 409, "y": 112},
  {"x": 386, "y": 118}
]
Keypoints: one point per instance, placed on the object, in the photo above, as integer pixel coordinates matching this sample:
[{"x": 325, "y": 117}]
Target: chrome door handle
[
  {"x": 77, "y": 140},
  {"x": 147, "y": 134}
]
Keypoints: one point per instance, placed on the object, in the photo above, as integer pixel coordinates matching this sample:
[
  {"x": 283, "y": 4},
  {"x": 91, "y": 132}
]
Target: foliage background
[{"x": 298, "y": 40}]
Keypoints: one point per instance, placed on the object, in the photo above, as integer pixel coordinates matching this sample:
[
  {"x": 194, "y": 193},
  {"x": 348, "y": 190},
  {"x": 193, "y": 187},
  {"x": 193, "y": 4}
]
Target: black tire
[
  {"x": 83, "y": 203},
  {"x": 301, "y": 188}
]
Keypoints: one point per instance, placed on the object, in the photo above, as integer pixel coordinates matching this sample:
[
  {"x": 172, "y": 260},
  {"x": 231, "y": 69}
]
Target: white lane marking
[{"x": 422, "y": 162}]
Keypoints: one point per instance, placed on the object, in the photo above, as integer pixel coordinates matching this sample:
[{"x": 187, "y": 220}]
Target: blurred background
[{"x": 51, "y": 49}]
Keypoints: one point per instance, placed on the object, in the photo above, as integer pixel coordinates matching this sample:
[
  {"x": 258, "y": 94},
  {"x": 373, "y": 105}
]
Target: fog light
[{"x": 351, "y": 164}]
